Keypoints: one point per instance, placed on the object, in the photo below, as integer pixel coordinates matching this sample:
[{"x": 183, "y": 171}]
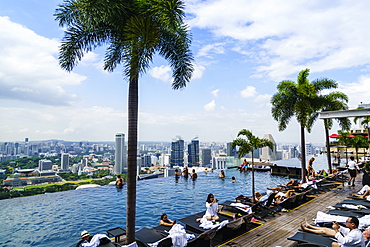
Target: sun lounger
[
  {"x": 363, "y": 211},
  {"x": 192, "y": 225},
  {"x": 147, "y": 236},
  {"x": 357, "y": 202},
  {"x": 304, "y": 237},
  {"x": 344, "y": 213},
  {"x": 218, "y": 235},
  {"x": 198, "y": 241}
]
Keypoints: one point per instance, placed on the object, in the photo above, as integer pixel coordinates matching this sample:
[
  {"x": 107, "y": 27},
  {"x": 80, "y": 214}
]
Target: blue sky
[{"x": 242, "y": 50}]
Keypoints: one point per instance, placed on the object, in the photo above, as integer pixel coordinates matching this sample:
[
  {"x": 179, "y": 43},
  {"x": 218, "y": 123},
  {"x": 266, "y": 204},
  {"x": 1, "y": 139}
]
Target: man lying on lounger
[{"x": 346, "y": 236}]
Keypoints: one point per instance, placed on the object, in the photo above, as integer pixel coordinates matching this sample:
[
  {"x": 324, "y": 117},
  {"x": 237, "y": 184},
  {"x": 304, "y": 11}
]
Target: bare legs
[
  {"x": 317, "y": 229},
  {"x": 366, "y": 194},
  {"x": 215, "y": 217}
]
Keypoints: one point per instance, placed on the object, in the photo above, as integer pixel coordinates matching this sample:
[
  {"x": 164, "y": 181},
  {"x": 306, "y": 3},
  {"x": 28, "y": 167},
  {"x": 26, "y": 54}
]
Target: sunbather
[
  {"x": 280, "y": 197},
  {"x": 363, "y": 189},
  {"x": 366, "y": 195}
]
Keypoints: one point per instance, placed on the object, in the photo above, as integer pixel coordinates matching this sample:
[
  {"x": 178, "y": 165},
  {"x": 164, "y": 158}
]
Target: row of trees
[
  {"x": 304, "y": 100},
  {"x": 348, "y": 141}
]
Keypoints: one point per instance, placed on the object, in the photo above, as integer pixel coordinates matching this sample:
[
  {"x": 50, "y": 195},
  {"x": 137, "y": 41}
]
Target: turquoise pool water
[{"x": 57, "y": 219}]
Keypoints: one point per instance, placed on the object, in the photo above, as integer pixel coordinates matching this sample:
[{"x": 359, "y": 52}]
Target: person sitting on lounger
[
  {"x": 349, "y": 235},
  {"x": 166, "y": 221},
  {"x": 212, "y": 208}
]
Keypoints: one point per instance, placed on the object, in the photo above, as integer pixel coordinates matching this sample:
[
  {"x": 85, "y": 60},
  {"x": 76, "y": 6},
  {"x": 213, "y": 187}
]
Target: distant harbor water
[{"x": 57, "y": 219}]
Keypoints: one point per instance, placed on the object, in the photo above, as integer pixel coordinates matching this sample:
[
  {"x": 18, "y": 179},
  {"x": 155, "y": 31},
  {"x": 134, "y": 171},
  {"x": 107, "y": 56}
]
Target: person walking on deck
[{"x": 352, "y": 169}]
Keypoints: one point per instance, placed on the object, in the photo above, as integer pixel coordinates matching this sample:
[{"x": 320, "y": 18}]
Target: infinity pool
[{"x": 57, "y": 219}]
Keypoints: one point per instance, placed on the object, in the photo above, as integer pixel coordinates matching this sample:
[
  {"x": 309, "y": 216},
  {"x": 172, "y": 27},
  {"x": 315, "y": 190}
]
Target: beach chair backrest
[{"x": 270, "y": 200}]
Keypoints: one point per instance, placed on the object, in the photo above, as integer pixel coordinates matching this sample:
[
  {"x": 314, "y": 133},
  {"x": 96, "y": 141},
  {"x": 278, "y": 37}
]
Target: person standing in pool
[
  {"x": 166, "y": 221},
  {"x": 194, "y": 175},
  {"x": 186, "y": 172},
  {"x": 119, "y": 182},
  {"x": 222, "y": 174},
  {"x": 177, "y": 173}
]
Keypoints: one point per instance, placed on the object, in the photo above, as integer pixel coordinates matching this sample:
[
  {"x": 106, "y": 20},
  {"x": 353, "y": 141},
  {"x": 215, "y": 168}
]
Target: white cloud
[
  {"x": 198, "y": 71},
  {"x": 215, "y": 93},
  {"x": 210, "y": 106},
  {"x": 357, "y": 92},
  {"x": 162, "y": 73},
  {"x": 285, "y": 37},
  {"x": 216, "y": 48},
  {"x": 248, "y": 92},
  {"x": 263, "y": 99},
  {"x": 29, "y": 69}
]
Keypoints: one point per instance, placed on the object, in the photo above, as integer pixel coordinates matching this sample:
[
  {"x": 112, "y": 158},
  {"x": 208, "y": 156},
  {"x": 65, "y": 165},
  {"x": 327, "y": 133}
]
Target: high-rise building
[
  {"x": 177, "y": 152},
  {"x": 267, "y": 153},
  {"x": 26, "y": 148},
  {"x": 206, "y": 157},
  {"x": 44, "y": 165},
  {"x": 64, "y": 163},
  {"x": 120, "y": 154},
  {"x": 193, "y": 153},
  {"x": 309, "y": 149}
]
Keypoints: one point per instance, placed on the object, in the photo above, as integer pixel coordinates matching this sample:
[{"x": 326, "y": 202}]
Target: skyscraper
[
  {"x": 26, "y": 148},
  {"x": 64, "y": 163},
  {"x": 177, "y": 152},
  {"x": 120, "y": 154},
  {"x": 206, "y": 157},
  {"x": 193, "y": 153},
  {"x": 267, "y": 153}
]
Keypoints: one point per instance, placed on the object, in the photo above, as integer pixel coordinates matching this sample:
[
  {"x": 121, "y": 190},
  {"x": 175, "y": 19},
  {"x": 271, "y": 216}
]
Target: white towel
[{"x": 178, "y": 236}]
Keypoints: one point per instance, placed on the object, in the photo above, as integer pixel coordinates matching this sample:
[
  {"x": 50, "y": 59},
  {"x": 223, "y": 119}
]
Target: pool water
[{"x": 57, "y": 219}]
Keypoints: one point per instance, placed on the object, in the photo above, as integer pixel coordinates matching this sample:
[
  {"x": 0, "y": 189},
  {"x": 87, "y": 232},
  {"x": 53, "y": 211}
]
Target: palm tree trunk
[
  {"x": 253, "y": 196},
  {"x": 133, "y": 99},
  {"x": 328, "y": 149},
  {"x": 303, "y": 161}
]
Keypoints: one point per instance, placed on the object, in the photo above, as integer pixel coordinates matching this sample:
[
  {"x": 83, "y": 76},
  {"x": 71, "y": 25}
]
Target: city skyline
[{"x": 241, "y": 49}]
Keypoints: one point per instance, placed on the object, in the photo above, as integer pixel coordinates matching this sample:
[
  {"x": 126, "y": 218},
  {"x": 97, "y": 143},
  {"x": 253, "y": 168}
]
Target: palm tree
[
  {"x": 365, "y": 122},
  {"x": 357, "y": 142},
  {"x": 335, "y": 101},
  {"x": 344, "y": 139},
  {"x": 134, "y": 31},
  {"x": 302, "y": 100},
  {"x": 249, "y": 145}
]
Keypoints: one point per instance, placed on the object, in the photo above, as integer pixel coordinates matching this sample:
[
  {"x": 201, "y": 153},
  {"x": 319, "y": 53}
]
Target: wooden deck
[{"x": 276, "y": 230}]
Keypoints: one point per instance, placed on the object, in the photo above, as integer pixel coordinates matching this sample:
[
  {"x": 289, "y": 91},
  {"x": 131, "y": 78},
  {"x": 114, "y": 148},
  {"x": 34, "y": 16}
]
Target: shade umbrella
[{"x": 335, "y": 136}]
